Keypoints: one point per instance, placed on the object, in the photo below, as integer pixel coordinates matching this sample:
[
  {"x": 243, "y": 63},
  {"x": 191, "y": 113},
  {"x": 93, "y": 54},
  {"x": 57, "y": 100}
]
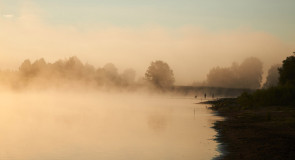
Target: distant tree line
[
  {"x": 159, "y": 75},
  {"x": 66, "y": 72},
  {"x": 72, "y": 71},
  {"x": 248, "y": 74}
]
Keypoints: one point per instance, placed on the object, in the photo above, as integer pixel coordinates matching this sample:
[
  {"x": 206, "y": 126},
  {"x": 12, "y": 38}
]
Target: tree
[
  {"x": 250, "y": 73},
  {"x": 160, "y": 75},
  {"x": 287, "y": 71},
  {"x": 111, "y": 70},
  {"x": 221, "y": 77},
  {"x": 26, "y": 67},
  {"x": 272, "y": 78},
  {"x": 38, "y": 66},
  {"x": 246, "y": 75}
]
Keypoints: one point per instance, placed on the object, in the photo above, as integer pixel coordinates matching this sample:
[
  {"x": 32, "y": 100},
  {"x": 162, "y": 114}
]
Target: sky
[{"x": 192, "y": 36}]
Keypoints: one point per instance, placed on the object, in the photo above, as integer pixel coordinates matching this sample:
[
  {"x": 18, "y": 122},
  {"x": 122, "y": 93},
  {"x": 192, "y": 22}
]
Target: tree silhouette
[
  {"x": 272, "y": 78},
  {"x": 160, "y": 75},
  {"x": 250, "y": 73},
  {"x": 25, "y": 68},
  {"x": 246, "y": 75},
  {"x": 287, "y": 71}
]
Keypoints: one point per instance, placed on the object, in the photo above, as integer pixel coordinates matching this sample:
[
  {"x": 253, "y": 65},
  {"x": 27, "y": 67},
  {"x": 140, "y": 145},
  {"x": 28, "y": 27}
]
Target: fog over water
[
  {"x": 94, "y": 125},
  {"x": 122, "y": 80}
]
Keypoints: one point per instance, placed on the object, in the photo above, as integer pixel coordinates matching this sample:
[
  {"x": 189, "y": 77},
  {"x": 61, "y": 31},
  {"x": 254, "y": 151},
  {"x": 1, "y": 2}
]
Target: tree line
[
  {"x": 72, "y": 71},
  {"x": 158, "y": 75},
  {"x": 248, "y": 74},
  {"x": 281, "y": 92}
]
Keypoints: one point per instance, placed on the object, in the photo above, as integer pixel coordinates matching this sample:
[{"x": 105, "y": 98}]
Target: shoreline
[{"x": 256, "y": 133}]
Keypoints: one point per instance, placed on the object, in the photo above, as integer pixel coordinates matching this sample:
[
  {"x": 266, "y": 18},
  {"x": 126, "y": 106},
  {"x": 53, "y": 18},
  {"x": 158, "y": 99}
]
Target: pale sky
[{"x": 192, "y": 36}]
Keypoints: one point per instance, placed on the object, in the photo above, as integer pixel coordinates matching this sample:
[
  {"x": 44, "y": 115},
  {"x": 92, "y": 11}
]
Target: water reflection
[{"x": 74, "y": 126}]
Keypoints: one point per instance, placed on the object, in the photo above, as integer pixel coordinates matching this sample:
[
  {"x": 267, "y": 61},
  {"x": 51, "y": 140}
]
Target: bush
[{"x": 274, "y": 96}]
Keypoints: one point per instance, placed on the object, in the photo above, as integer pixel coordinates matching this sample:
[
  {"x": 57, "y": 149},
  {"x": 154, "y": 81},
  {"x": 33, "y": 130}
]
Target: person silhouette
[{"x": 205, "y": 95}]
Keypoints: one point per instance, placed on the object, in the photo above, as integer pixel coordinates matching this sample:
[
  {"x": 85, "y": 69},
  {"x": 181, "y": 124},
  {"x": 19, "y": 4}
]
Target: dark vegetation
[
  {"x": 254, "y": 134},
  {"x": 261, "y": 124},
  {"x": 281, "y": 94}
]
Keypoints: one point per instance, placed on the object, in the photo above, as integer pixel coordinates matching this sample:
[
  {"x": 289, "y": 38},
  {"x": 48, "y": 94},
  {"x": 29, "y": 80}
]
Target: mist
[
  {"x": 272, "y": 78},
  {"x": 248, "y": 74},
  {"x": 185, "y": 48},
  {"x": 50, "y": 124},
  {"x": 67, "y": 73},
  {"x": 124, "y": 80}
]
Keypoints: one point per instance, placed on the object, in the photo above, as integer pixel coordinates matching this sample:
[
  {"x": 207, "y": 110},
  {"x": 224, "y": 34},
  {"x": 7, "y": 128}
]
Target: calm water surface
[{"x": 96, "y": 126}]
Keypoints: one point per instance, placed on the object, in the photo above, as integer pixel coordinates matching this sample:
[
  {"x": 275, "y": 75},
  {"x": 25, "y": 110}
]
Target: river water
[{"x": 104, "y": 126}]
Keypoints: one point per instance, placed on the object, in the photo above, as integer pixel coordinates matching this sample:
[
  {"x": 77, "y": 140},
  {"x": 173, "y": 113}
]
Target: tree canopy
[
  {"x": 287, "y": 71},
  {"x": 246, "y": 75},
  {"x": 67, "y": 72},
  {"x": 160, "y": 75},
  {"x": 272, "y": 78}
]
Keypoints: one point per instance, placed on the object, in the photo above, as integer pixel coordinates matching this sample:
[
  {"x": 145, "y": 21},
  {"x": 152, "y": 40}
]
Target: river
[{"x": 105, "y": 126}]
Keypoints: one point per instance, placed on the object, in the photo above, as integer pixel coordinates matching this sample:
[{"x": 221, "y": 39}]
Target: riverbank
[{"x": 255, "y": 133}]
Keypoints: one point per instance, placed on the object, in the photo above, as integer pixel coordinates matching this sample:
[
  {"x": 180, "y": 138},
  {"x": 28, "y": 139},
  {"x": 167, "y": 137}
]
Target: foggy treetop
[
  {"x": 248, "y": 74},
  {"x": 65, "y": 72}
]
